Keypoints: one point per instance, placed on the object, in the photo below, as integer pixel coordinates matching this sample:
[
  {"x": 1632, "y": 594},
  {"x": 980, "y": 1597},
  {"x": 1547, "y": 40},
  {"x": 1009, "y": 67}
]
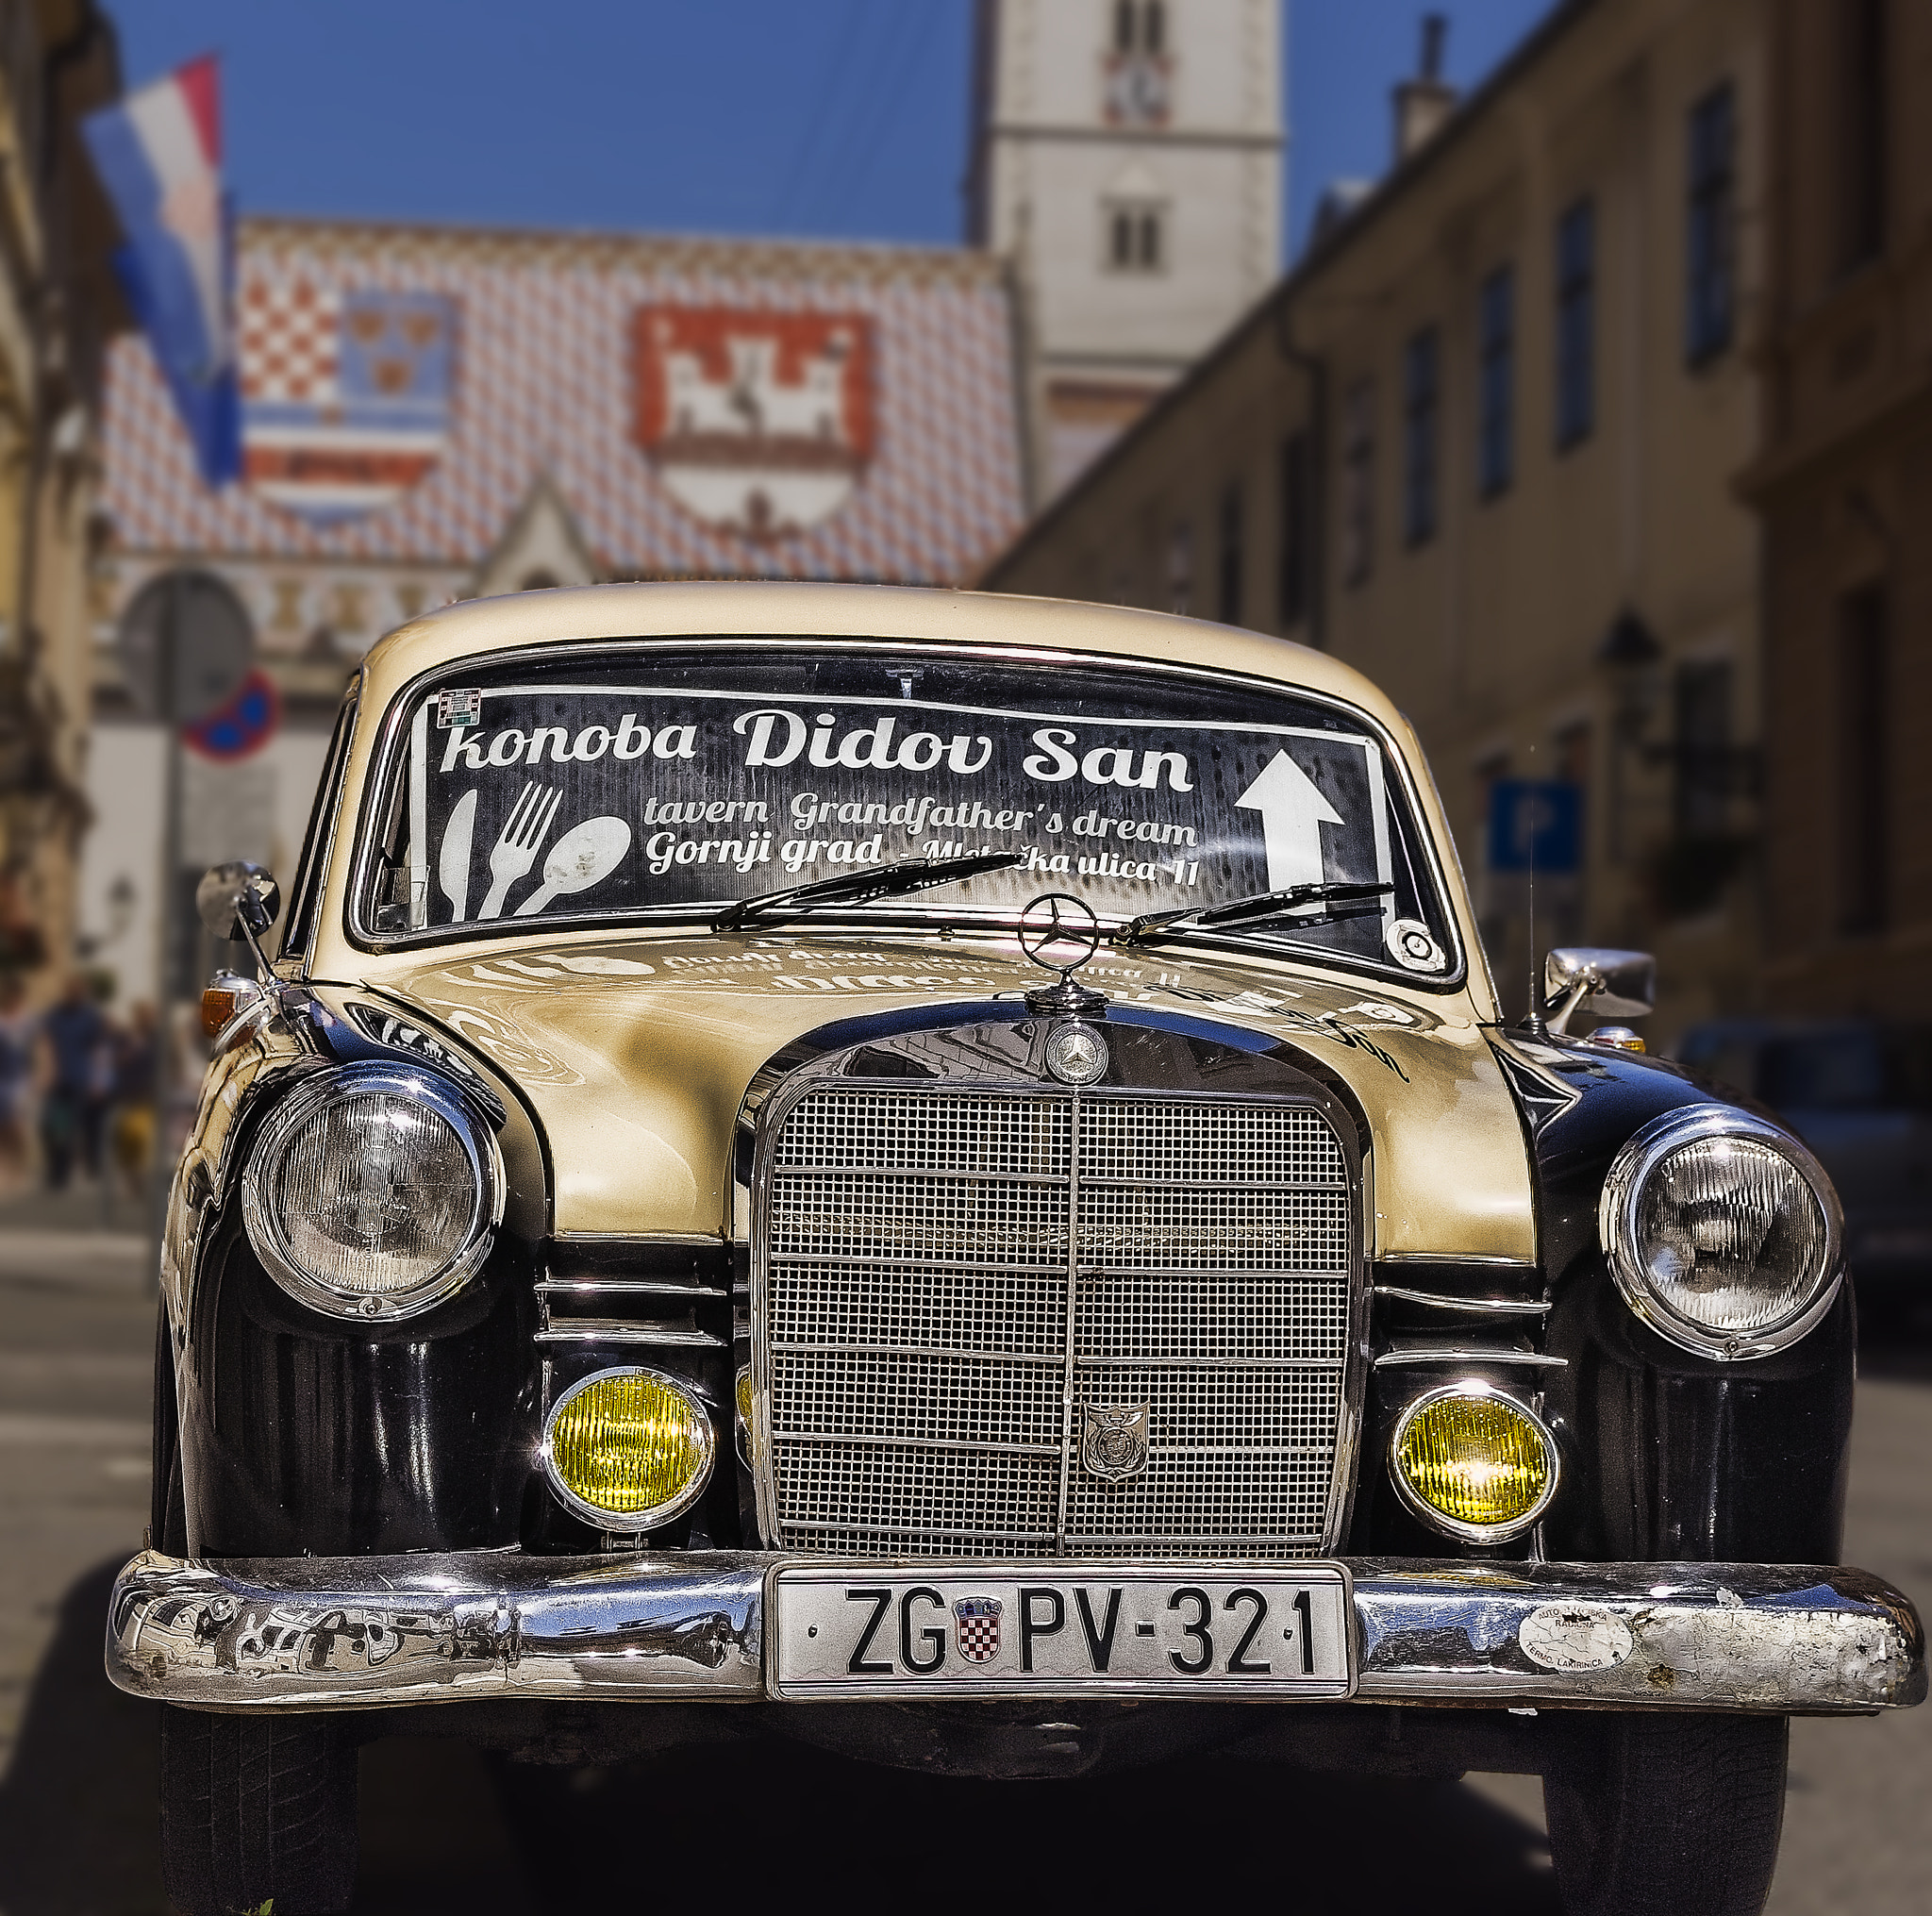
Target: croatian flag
[{"x": 158, "y": 153}]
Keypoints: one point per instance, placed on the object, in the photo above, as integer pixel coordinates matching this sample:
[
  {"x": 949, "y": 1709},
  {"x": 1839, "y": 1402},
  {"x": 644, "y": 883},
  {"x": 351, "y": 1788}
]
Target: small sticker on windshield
[
  {"x": 454, "y": 708},
  {"x": 1412, "y": 947}
]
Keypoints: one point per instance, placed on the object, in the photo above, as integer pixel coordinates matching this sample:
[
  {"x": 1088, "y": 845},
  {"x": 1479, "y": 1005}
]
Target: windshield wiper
[
  {"x": 1336, "y": 900},
  {"x": 861, "y": 888}
]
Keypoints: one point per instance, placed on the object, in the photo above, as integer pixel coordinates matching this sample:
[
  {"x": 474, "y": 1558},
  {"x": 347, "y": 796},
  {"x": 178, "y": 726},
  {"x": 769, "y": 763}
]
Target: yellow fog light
[
  {"x": 627, "y": 1450},
  {"x": 1474, "y": 1462}
]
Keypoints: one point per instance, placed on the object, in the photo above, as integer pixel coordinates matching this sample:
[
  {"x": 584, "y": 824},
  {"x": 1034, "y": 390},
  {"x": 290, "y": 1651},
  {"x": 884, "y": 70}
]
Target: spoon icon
[{"x": 578, "y": 860}]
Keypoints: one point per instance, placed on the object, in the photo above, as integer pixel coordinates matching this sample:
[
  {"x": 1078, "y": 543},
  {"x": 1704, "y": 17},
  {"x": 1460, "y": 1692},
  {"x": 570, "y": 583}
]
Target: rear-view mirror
[{"x": 1594, "y": 978}]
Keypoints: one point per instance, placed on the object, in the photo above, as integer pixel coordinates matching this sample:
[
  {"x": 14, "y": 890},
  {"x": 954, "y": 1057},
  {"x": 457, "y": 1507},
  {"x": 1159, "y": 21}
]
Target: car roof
[{"x": 787, "y": 608}]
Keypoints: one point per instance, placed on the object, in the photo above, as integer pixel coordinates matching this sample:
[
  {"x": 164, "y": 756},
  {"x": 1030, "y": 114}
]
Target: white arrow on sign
[{"x": 1292, "y": 814}]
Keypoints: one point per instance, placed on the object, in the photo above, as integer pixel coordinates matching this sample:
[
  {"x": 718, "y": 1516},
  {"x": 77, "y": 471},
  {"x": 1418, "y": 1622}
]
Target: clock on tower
[
  {"x": 1136, "y": 89},
  {"x": 1138, "y": 72}
]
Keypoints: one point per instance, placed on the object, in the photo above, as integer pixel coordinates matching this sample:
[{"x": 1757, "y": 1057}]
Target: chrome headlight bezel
[
  {"x": 265, "y": 1227},
  {"x": 1617, "y": 1230},
  {"x": 1477, "y": 1389},
  {"x": 632, "y": 1523}
]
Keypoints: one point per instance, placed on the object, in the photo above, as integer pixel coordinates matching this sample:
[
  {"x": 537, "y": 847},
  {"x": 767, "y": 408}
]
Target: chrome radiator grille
[{"x": 943, "y": 1269}]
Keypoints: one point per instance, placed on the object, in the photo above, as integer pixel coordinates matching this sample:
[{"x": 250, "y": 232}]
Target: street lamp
[{"x": 1632, "y": 660}]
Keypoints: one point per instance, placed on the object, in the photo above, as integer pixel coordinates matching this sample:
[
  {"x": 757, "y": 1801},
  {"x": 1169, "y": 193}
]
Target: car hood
[{"x": 635, "y": 1055}]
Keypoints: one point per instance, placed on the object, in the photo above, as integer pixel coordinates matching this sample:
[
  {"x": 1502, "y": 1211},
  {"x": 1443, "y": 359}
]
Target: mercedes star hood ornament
[{"x": 1060, "y": 933}]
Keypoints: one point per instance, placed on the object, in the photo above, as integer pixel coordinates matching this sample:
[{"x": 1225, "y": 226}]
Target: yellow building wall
[{"x": 1487, "y": 635}]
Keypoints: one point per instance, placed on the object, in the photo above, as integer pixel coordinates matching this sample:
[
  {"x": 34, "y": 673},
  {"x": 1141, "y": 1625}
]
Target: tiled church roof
[{"x": 543, "y": 383}]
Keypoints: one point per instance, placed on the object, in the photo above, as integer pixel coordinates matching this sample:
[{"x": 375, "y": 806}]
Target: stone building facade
[
  {"x": 1844, "y": 484},
  {"x": 1481, "y": 443},
  {"x": 59, "y": 304}
]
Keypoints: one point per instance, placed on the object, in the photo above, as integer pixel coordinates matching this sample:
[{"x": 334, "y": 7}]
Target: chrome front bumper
[{"x": 359, "y": 1633}]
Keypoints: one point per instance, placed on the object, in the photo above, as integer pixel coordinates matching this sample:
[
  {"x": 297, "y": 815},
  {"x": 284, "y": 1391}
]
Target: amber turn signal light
[
  {"x": 1618, "y": 1037},
  {"x": 228, "y": 992}
]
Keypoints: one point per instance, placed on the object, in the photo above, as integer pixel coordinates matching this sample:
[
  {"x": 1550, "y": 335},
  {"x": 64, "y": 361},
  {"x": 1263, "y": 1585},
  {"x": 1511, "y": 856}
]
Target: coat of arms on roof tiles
[
  {"x": 345, "y": 392},
  {"x": 757, "y": 423}
]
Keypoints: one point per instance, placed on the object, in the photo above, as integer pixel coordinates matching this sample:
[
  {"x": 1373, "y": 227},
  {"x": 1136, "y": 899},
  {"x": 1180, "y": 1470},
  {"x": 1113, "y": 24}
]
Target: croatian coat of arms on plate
[{"x": 976, "y": 1623}]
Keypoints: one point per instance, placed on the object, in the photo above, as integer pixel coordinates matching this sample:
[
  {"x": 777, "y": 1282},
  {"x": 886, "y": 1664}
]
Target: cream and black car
[{"x": 943, "y": 1177}]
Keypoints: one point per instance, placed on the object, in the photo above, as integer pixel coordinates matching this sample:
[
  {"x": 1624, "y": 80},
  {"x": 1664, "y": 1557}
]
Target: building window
[
  {"x": 1137, "y": 75},
  {"x": 1180, "y": 568},
  {"x": 1864, "y": 131},
  {"x": 1298, "y": 541},
  {"x": 1701, "y": 801},
  {"x": 1863, "y": 770},
  {"x": 1576, "y": 324},
  {"x": 1135, "y": 237},
  {"x": 1228, "y": 569},
  {"x": 1359, "y": 483},
  {"x": 1140, "y": 26},
  {"x": 1496, "y": 438},
  {"x": 1422, "y": 386},
  {"x": 1711, "y": 283}
]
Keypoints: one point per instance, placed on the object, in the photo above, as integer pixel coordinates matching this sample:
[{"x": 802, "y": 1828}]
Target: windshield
[{"x": 600, "y": 785}]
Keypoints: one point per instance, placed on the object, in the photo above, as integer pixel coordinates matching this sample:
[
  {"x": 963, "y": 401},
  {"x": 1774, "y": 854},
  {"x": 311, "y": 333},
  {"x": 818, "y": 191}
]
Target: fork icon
[{"x": 515, "y": 850}]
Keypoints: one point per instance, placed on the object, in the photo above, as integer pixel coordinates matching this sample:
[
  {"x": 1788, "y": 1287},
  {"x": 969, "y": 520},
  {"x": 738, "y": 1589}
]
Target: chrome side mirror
[
  {"x": 238, "y": 901},
  {"x": 1614, "y": 984}
]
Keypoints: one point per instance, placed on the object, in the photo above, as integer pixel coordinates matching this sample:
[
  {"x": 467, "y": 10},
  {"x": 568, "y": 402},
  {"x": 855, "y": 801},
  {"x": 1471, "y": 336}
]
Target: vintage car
[{"x": 942, "y": 1176}]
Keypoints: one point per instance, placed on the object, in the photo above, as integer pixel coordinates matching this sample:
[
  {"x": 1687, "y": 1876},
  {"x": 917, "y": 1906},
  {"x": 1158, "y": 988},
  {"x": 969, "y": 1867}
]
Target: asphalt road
[{"x": 442, "y": 1829}]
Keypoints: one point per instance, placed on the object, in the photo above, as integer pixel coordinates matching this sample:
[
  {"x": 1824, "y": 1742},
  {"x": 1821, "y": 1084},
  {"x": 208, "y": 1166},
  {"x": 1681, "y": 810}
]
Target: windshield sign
[{"x": 601, "y": 786}]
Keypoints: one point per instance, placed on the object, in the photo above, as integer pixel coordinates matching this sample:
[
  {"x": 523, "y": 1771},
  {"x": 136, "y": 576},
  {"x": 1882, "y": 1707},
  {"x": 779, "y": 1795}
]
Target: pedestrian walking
[
  {"x": 74, "y": 1037},
  {"x": 131, "y": 1134},
  {"x": 16, "y": 1080}
]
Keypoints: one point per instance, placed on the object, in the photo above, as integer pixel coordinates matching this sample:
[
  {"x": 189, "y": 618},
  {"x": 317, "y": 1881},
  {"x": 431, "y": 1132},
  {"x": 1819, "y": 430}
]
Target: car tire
[
  {"x": 257, "y": 1809},
  {"x": 1657, "y": 1815}
]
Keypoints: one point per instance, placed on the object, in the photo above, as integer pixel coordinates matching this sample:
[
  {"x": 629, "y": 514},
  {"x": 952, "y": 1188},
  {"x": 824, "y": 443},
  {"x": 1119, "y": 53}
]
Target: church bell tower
[{"x": 1127, "y": 159}]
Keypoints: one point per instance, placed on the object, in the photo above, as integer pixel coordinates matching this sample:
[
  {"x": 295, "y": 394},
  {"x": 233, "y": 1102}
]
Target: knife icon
[{"x": 453, "y": 864}]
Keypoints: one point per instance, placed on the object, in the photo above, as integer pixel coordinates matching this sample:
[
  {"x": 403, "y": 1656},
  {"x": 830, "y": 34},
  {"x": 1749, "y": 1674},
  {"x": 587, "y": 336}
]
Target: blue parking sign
[{"x": 1536, "y": 820}]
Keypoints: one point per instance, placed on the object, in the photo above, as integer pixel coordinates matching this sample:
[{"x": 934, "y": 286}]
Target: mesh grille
[{"x": 918, "y": 1299}]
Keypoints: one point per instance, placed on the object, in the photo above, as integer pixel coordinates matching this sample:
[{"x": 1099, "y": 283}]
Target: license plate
[{"x": 1058, "y": 1630}]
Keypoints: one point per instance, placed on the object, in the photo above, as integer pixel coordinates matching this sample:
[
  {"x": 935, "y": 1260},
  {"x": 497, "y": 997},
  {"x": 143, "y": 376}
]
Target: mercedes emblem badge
[{"x": 1076, "y": 1053}]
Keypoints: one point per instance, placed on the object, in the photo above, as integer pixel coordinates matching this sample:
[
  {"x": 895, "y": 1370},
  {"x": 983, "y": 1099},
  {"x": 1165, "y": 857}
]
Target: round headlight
[
  {"x": 371, "y": 1193},
  {"x": 1722, "y": 1231},
  {"x": 627, "y": 1450},
  {"x": 1474, "y": 1462}
]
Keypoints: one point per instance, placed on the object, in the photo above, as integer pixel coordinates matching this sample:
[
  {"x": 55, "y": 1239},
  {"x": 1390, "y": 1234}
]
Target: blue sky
[{"x": 841, "y": 118}]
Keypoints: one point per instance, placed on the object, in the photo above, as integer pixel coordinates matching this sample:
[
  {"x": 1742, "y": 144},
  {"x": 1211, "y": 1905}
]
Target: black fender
[
  {"x": 1670, "y": 1456},
  {"x": 302, "y": 1433}
]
